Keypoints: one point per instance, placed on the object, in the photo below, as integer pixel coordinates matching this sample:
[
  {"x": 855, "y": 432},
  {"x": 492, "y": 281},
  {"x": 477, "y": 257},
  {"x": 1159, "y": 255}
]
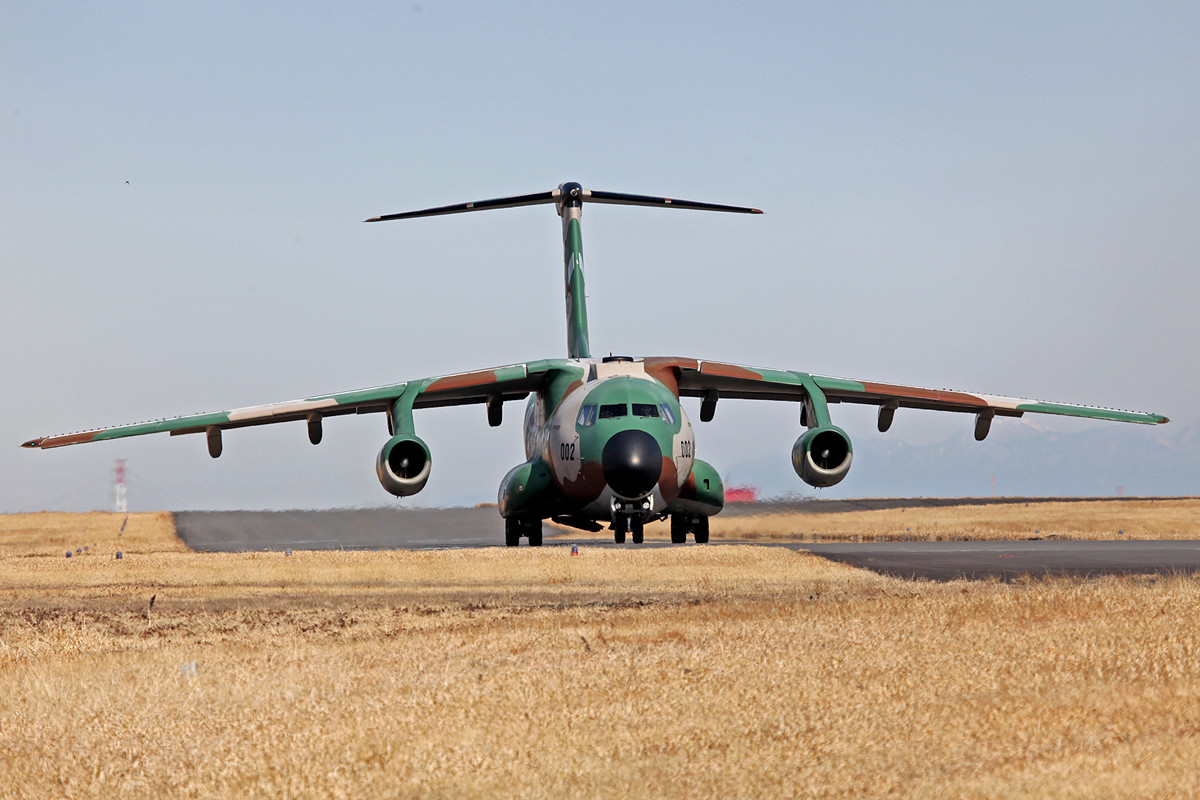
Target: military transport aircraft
[{"x": 606, "y": 439}]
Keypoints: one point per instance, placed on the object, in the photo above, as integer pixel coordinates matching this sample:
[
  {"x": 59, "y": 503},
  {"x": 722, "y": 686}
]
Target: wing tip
[{"x": 34, "y": 442}]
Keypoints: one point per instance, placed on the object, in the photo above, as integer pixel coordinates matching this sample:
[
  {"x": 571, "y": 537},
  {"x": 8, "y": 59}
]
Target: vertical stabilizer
[
  {"x": 569, "y": 198},
  {"x": 570, "y": 207}
]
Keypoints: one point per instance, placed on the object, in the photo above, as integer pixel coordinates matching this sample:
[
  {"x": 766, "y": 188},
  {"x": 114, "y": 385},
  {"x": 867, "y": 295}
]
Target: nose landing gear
[
  {"x": 624, "y": 523},
  {"x": 629, "y": 517}
]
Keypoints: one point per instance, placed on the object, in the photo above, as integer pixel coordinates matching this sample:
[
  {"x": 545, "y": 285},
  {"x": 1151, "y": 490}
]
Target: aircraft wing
[
  {"x": 714, "y": 380},
  {"x": 505, "y": 383}
]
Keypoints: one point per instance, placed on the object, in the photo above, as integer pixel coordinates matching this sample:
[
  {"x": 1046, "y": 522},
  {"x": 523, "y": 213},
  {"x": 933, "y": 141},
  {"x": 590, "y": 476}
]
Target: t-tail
[{"x": 569, "y": 199}]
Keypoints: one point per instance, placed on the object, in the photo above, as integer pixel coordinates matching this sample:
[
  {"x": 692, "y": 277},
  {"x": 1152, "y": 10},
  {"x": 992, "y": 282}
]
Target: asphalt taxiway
[{"x": 418, "y": 529}]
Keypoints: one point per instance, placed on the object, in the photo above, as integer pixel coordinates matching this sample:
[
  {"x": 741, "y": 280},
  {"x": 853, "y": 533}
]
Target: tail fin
[{"x": 569, "y": 197}]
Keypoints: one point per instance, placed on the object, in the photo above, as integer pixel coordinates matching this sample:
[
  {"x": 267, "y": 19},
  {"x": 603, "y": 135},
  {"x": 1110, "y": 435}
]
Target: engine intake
[
  {"x": 822, "y": 456},
  {"x": 403, "y": 465}
]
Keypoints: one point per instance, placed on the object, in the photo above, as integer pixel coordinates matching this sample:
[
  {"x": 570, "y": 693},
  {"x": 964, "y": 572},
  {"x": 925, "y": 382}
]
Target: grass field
[
  {"x": 698, "y": 672},
  {"x": 1100, "y": 519}
]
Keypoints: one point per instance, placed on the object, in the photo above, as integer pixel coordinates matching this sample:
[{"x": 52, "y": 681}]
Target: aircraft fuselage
[{"x": 612, "y": 444}]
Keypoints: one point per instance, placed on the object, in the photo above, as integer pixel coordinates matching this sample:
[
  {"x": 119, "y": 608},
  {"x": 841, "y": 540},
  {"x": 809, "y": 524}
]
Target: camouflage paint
[
  {"x": 571, "y": 452},
  {"x": 529, "y": 490},
  {"x": 577, "y": 324},
  {"x": 574, "y": 450},
  {"x": 703, "y": 493},
  {"x": 550, "y": 481}
]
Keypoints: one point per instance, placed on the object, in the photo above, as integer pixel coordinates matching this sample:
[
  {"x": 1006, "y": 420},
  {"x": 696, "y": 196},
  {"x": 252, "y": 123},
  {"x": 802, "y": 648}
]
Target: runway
[{"x": 419, "y": 529}]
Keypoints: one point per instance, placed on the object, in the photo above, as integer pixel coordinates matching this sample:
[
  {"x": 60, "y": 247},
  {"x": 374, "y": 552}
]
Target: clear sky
[{"x": 1000, "y": 198}]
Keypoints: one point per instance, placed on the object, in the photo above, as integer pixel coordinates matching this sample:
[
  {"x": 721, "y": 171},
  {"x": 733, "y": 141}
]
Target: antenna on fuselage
[{"x": 569, "y": 199}]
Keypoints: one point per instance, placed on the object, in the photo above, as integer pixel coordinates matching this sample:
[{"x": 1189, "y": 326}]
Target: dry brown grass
[
  {"x": 699, "y": 672},
  {"x": 53, "y": 533},
  {"x": 1100, "y": 519}
]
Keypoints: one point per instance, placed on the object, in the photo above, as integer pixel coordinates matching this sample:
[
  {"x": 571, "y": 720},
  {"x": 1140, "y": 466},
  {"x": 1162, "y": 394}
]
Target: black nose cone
[{"x": 632, "y": 463}]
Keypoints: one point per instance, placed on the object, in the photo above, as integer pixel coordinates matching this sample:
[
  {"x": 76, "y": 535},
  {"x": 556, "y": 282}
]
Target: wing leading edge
[{"x": 502, "y": 383}]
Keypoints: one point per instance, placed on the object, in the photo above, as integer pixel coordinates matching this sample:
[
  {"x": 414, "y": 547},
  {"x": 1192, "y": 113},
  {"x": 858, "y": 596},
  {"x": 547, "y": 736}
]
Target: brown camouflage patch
[
  {"x": 589, "y": 484},
  {"x": 729, "y": 371},
  {"x": 933, "y": 395},
  {"x": 71, "y": 438},
  {"x": 668, "y": 482},
  {"x": 463, "y": 381},
  {"x": 666, "y": 370}
]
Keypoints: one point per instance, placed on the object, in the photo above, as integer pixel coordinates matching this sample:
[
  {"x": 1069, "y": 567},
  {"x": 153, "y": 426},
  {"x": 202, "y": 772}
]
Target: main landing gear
[
  {"x": 683, "y": 524},
  {"x": 515, "y": 528}
]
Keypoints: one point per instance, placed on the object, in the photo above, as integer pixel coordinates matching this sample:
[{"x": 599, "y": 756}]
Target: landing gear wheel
[
  {"x": 679, "y": 529},
  {"x": 637, "y": 528},
  {"x": 701, "y": 531},
  {"x": 515, "y": 528},
  {"x": 621, "y": 526}
]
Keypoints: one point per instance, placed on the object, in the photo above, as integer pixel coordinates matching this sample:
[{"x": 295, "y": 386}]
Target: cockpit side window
[
  {"x": 645, "y": 410},
  {"x": 587, "y": 415},
  {"x": 612, "y": 410},
  {"x": 667, "y": 415}
]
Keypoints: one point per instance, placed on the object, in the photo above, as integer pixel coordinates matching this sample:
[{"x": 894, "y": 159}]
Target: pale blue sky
[{"x": 999, "y": 198}]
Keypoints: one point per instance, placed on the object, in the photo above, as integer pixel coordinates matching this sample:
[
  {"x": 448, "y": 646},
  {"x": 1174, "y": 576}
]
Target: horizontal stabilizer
[
  {"x": 617, "y": 198},
  {"x": 479, "y": 205},
  {"x": 566, "y": 193}
]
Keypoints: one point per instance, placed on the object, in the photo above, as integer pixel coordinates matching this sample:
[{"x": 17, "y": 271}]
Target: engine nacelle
[
  {"x": 822, "y": 456},
  {"x": 403, "y": 465}
]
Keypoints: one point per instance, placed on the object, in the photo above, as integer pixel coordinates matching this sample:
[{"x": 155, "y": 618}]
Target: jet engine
[
  {"x": 403, "y": 465},
  {"x": 821, "y": 457}
]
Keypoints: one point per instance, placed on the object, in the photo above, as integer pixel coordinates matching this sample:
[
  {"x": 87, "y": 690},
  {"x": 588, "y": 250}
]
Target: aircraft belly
[{"x": 600, "y": 509}]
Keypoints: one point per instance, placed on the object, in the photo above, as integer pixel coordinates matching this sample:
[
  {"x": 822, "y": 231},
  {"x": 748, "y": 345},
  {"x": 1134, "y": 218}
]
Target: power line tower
[{"x": 122, "y": 504}]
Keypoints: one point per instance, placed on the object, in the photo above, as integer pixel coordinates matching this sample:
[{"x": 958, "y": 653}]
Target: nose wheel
[{"x": 631, "y": 524}]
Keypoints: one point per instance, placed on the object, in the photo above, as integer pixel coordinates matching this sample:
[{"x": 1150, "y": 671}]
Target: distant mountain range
[{"x": 1025, "y": 458}]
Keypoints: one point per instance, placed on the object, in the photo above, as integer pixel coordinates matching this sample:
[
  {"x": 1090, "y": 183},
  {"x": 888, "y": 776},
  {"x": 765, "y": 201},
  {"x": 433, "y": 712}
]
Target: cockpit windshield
[
  {"x": 612, "y": 410},
  {"x": 645, "y": 410},
  {"x": 587, "y": 415}
]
